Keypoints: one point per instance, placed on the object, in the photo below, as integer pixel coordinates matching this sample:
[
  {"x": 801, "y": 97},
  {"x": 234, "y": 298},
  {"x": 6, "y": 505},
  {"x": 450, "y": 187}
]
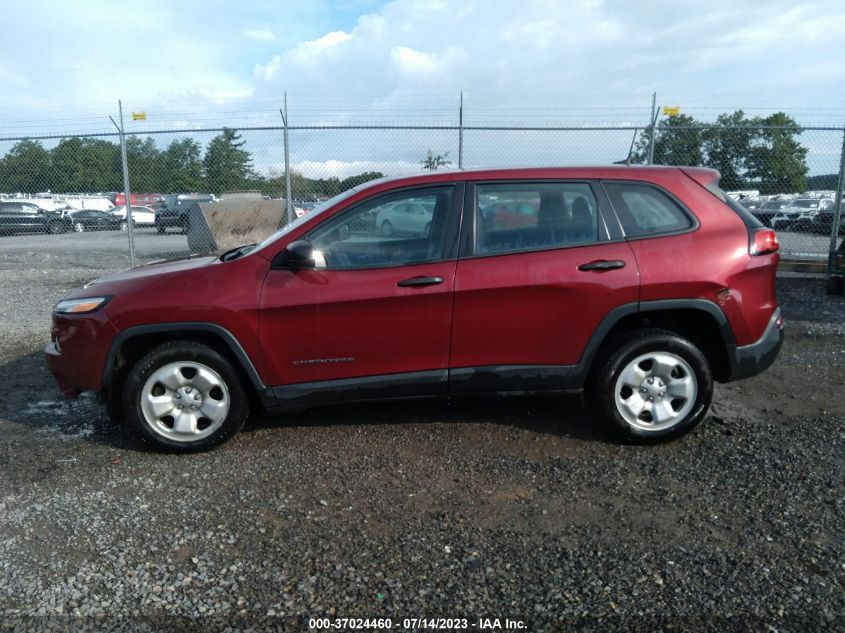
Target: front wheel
[
  {"x": 184, "y": 397},
  {"x": 78, "y": 227},
  {"x": 124, "y": 226},
  {"x": 655, "y": 386}
]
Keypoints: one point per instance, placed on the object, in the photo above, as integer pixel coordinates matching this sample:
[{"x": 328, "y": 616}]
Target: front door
[
  {"x": 374, "y": 317},
  {"x": 539, "y": 273}
]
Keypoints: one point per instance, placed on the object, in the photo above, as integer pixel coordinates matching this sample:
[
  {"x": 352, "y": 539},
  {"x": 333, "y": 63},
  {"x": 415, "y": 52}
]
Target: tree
[
  {"x": 777, "y": 163},
  {"x": 144, "y": 161},
  {"x": 677, "y": 141},
  {"x": 227, "y": 166},
  {"x": 181, "y": 166},
  {"x": 85, "y": 165},
  {"x": 360, "y": 179},
  {"x": 434, "y": 162},
  {"x": 727, "y": 146},
  {"x": 26, "y": 168}
]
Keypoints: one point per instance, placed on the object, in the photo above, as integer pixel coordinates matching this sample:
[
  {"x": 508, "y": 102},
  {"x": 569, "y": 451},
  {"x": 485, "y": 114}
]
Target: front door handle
[
  {"x": 421, "y": 281},
  {"x": 603, "y": 264}
]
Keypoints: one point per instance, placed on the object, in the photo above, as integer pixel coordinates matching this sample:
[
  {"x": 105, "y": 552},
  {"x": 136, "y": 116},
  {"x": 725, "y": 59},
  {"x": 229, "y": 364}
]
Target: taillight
[{"x": 763, "y": 241}]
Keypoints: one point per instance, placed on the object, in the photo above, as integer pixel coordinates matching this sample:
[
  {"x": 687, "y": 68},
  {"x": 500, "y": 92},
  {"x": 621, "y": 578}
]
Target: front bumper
[
  {"x": 753, "y": 359},
  {"x": 77, "y": 351}
]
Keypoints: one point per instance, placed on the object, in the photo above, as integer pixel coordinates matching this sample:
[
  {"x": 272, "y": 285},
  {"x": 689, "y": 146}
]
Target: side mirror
[{"x": 298, "y": 255}]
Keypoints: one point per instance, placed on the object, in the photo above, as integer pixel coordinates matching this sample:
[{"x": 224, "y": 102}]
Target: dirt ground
[{"x": 516, "y": 509}]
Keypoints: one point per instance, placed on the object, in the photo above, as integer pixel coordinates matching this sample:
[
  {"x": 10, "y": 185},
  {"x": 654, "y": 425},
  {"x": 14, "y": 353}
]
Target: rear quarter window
[{"x": 645, "y": 210}]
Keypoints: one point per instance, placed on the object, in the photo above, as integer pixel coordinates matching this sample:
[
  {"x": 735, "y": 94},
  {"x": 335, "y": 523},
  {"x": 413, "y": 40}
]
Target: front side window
[
  {"x": 512, "y": 217},
  {"x": 645, "y": 210},
  {"x": 394, "y": 230}
]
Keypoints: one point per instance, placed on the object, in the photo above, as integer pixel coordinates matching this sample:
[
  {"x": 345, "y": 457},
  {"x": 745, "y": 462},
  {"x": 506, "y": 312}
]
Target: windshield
[{"x": 317, "y": 210}]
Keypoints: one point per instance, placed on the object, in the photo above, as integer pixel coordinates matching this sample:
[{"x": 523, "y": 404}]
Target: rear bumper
[{"x": 753, "y": 359}]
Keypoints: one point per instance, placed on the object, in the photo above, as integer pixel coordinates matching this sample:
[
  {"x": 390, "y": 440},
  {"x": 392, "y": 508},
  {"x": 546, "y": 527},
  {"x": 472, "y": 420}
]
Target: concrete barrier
[{"x": 219, "y": 226}]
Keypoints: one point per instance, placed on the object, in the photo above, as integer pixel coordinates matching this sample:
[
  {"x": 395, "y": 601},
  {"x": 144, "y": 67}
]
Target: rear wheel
[
  {"x": 184, "y": 397},
  {"x": 78, "y": 227},
  {"x": 160, "y": 228},
  {"x": 124, "y": 226},
  {"x": 54, "y": 227},
  {"x": 655, "y": 386}
]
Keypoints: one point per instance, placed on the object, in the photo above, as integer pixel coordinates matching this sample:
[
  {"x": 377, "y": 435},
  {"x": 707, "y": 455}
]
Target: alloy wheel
[
  {"x": 185, "y": 401},
  {"x": 655, "y": 391}
]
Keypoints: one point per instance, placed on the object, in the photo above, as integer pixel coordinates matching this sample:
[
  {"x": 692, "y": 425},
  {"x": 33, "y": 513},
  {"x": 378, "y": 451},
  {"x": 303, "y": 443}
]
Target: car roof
[{"x": 636, "y": 172}]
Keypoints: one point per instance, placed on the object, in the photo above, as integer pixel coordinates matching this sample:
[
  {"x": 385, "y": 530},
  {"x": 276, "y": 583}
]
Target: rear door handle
[
  {"x": 603, "y": 264},
  {"x": 421, "y": 281}
]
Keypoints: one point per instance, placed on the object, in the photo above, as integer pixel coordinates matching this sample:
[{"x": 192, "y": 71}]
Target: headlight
[{"x": 80, "y": 306}]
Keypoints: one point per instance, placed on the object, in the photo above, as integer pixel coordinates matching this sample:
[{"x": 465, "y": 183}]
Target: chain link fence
[{"x": 62, "y": 197}]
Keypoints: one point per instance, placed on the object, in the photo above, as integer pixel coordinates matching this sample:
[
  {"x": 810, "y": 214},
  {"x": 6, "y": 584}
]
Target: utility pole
[
  {"x": 289, "y": 217},
  {"x": 461, "y": 133},
  {"x": 128, "y": 203},
  {"x": 650, "y": 158}
]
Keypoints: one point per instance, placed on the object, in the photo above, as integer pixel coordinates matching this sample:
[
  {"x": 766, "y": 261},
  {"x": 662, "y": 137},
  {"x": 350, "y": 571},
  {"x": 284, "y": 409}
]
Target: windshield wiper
[{"x": 236, "y": 252}]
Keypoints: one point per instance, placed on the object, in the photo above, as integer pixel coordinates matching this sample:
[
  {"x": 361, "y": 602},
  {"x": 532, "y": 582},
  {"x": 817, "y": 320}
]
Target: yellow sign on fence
[
  {"x": 671, "y": 111},
  {"x": 139, "y": 116}
]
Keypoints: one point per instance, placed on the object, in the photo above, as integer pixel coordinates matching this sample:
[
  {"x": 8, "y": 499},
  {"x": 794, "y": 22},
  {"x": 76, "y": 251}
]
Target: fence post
[
  {"x": 289, "y": 217},
  {"x": 652, "y": 121},
  {"x": 837, "y": 213},
  {"x": 461, "y": 133},
  {"x": 127, "y": 201}
]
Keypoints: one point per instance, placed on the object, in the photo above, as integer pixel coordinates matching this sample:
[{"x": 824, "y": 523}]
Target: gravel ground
[{"x": 514, "y": 509}]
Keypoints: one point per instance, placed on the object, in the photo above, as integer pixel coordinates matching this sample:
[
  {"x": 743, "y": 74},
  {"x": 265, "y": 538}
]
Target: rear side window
[
  {"x": 645, "y": 210},
  {"x": 514, "y": 217}
]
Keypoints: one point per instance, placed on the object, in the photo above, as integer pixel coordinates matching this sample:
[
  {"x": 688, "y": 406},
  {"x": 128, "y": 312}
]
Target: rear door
[
  {"x": 31, "y": 218},
  {"x": 530, "y": 294}
]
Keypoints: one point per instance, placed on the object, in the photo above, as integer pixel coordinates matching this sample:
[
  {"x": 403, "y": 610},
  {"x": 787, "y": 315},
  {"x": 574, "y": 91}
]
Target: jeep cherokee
[{"x": 639, "y": 286}]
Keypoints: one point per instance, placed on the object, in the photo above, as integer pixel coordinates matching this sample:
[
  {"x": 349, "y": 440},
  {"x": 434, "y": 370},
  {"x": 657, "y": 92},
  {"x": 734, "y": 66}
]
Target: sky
[{"x": 529, "y": 62}]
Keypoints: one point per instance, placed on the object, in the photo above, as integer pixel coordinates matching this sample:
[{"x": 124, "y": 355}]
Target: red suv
[{"x": 640, "y": 286}]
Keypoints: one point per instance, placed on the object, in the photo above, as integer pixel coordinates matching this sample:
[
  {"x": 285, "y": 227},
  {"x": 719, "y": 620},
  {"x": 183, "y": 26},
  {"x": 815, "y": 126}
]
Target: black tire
[
  {"x": 54, "y": 227},
  {"x": 835, "y": 284},
  {"x": 190, "y": 352},
  {"x": 78, "y": 227},
  {"x": 160, "y": 228},
  {"x": 622, "y": 352},
  {"x": 124, "y": 226}
]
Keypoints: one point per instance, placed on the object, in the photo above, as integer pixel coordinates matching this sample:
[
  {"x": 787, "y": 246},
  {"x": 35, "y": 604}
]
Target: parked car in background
[
  {"x": 823, "y": 222},
  {"x": 768, "y": 210},
  {"x": 173, "y": 213},
  {"x": 799, "y": 214},
  {"x": 141, "y": 216},
  {"x": 410, "y": 217},
  {"x": 93, "y": 220},
  {"x": 638, "y": 286},
  {"x": 25, "y": 217},
  {"x": 138, "y": 199}
]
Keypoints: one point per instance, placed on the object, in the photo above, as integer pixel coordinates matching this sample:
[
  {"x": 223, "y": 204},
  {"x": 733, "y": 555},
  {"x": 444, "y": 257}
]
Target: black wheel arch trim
[
  {"x": 613, "y": 317},
  {"x": 266, "y": 395}
]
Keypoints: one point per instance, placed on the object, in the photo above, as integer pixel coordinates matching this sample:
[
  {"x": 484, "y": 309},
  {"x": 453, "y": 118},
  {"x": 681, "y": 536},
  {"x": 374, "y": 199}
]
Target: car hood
[{"x": 161, "y": 267}]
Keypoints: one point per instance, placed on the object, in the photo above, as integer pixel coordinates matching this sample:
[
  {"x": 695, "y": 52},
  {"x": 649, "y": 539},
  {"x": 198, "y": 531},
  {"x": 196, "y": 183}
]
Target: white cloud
[
  {"x": 261, "y": 35},
  {"x": 344, "y": 169}
]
